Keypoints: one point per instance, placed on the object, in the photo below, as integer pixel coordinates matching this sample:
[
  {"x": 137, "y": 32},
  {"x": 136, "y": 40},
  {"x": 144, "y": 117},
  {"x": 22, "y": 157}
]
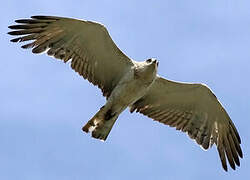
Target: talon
[{"x": 109, "y": 114}]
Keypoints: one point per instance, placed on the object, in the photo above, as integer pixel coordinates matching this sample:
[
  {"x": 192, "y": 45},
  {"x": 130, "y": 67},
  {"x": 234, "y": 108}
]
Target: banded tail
[{"x": 101, "y": 124}]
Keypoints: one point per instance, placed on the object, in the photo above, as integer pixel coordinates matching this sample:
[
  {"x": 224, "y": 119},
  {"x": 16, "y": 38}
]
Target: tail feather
[{"x": 99, "y": 125}]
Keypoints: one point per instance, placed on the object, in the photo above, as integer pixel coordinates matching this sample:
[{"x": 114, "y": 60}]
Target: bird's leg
[{"x": 109, "y": 114}]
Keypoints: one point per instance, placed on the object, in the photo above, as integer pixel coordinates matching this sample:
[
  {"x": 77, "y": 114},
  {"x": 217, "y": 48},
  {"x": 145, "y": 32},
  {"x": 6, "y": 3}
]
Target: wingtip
[
  {"x": 233, "y": 166},
  {"x": 27, "y": 46},
  {"x": 17, "y": 21},
  {"x": 21, "y": 20},
  {"x": 225, "y": 168},
  {"x": 241, "y": 154},
  {"x": 237, "y": 162},
  {"x": 44, "y": 17},
  {"x": 11, "y": 26},
  {"x": 14, "y": 33},
  {"x": 37, "y": 17},
  {"x": 14, "y": 40}
]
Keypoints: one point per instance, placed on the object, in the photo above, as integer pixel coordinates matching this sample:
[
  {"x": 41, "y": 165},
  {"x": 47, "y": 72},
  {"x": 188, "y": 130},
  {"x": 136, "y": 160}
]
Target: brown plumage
[
  {"x": 87, "y": 46},
  {"x": 194, "y": 109},
  {"x": 60, "y": 36}
]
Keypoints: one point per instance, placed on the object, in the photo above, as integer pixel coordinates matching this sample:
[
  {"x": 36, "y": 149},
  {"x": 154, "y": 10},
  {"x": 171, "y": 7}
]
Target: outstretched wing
[
  {"x": 87, "y": 44},
  {"x": 194, "y": 109}
]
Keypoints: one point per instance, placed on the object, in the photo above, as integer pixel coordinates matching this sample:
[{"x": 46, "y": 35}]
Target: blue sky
[{"x": 44, "y": 103}]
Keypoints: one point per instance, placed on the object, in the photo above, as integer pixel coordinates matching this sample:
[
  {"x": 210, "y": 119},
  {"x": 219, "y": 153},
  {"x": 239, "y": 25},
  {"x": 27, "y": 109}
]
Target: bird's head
[
  {"x": 147, "y": 69},
  {"x": 151, "y": 65},
  {"x": 152, "y": 62}
]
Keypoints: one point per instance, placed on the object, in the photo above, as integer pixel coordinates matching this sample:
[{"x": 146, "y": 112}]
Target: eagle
[{"x": 87, "y": 46}]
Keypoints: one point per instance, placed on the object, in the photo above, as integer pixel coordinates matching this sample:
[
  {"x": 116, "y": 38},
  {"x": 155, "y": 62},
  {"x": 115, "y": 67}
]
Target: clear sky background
[{"x": 44, "y": 104}]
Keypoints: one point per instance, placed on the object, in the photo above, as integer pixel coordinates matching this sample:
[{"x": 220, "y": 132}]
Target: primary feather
[
  {"x": 87, "y": 44},
  {"x": 191, "y": 108},
  {"x": 194, "y": 109}
]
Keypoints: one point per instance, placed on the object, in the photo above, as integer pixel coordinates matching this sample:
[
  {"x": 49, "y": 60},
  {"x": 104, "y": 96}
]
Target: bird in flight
[{"x": 87, "y": 45}]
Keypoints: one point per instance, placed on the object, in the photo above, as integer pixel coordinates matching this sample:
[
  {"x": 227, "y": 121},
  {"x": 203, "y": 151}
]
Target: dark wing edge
[
  {"x": 180, "y": 105},
  {"x": 57, "y": 37}
]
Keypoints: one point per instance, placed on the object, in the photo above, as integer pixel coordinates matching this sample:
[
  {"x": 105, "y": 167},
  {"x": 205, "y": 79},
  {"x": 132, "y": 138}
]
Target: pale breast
[{"x": 128, "y": 91}]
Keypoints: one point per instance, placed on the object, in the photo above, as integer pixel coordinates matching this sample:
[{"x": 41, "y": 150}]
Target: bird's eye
[{"x": 149, "y": 60}]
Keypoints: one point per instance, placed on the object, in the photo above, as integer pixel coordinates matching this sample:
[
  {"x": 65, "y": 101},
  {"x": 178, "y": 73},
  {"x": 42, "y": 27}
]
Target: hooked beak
[{"x": 156, "y": 62}]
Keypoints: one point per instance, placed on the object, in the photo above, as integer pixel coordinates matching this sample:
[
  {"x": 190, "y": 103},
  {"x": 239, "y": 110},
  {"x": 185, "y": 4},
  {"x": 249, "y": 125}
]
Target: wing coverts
[
  {"x": 87, "y": 44},
  {"x": 194, "y": 109}
]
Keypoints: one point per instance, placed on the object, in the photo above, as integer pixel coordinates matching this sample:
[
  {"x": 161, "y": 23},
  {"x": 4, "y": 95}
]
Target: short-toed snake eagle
[{"x": 191, "y": 108}]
